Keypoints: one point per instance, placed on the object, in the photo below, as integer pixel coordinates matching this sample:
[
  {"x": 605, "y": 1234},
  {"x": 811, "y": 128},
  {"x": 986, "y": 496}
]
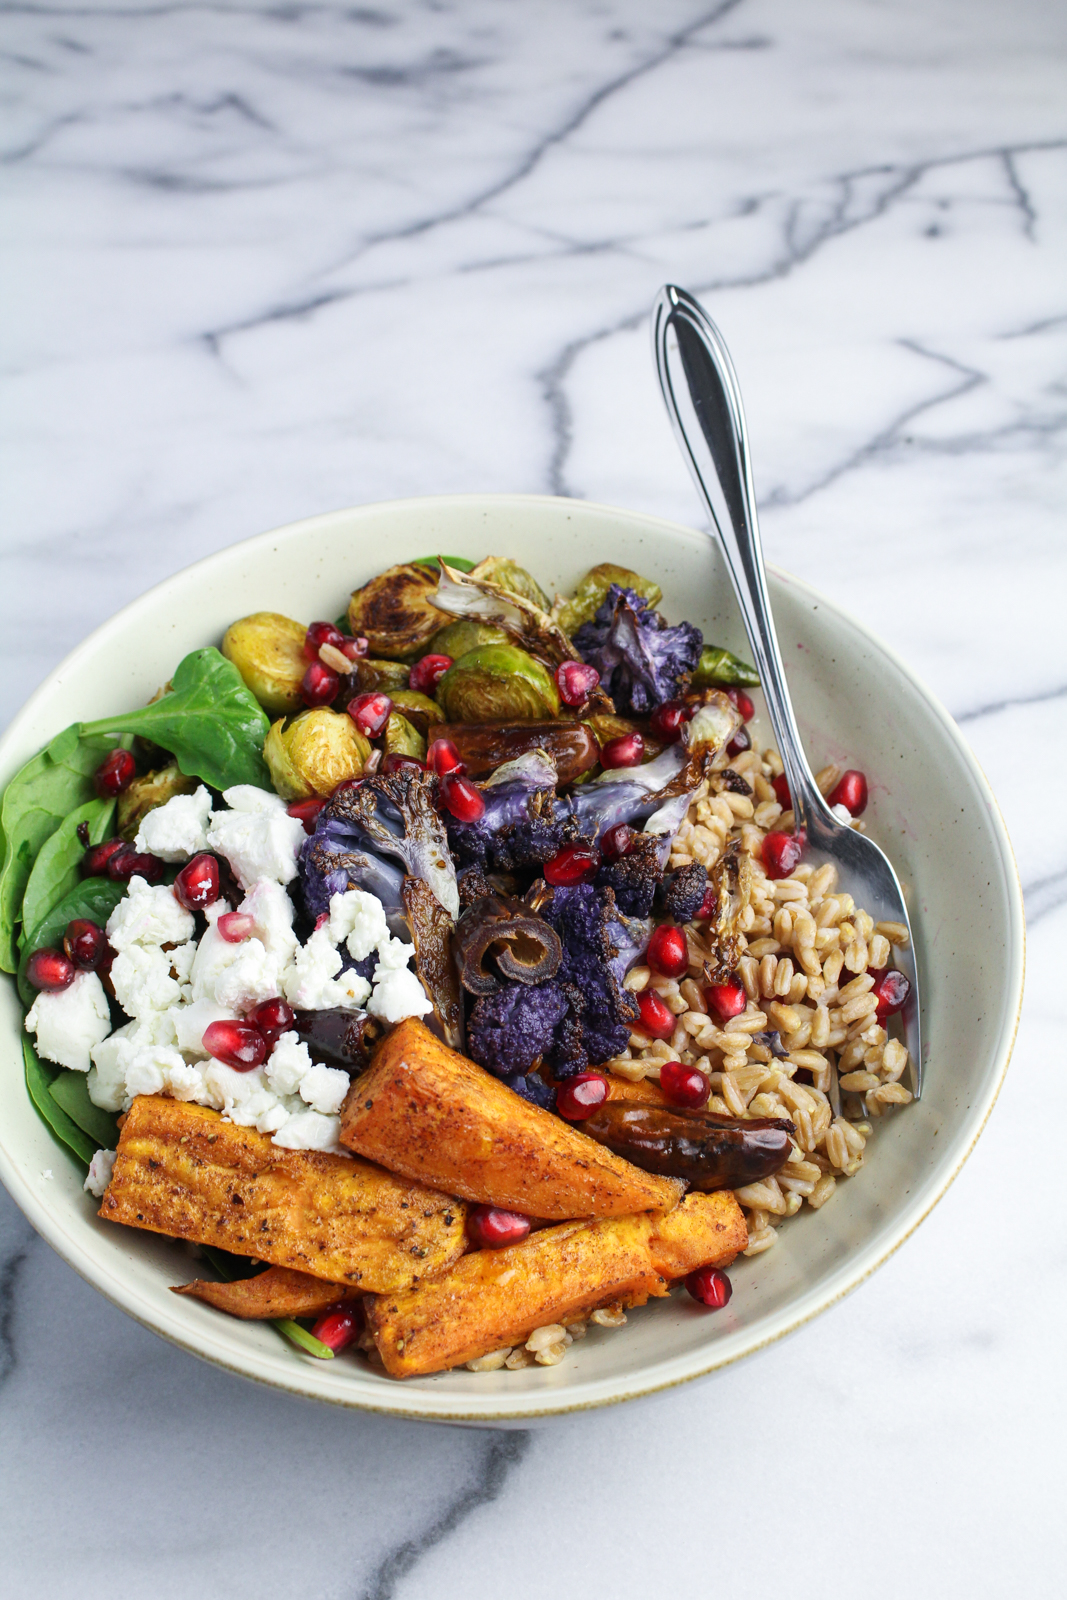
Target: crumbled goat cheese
[
  {"x": 310, "y": 982},
  {"x": 310, "y": 1130},
  {"x": 289, "y": 1062},
  {"x": 143, "y": 980},
  {"x": 271, "y": 911},
  {"x": 99, "y": 1175},
  {"x": 177, "y": 830},
  {"x": 357, "y": 919},
  {"x": 842, "y": 813},
  {"x": 236, "y": 976},
  {"x": 324, "y": 1089},
  {"x": 192, "y": 1021},
  {"x": 69, "y": 1022},
  {"x": 257, "y": 836},
  {"x": 148, "y": 916},
  {"x": 245, "y": 1097},
  {"x": 397, "y": 994}
]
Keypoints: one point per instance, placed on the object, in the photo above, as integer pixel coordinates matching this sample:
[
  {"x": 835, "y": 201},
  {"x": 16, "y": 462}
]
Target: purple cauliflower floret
[
  {"x": 520, "y": 829},
  {"x": 635, "y": 877},
  {"x": 597, "y": 949},
  {"x": 683, "y": 891},
  {"x": 511, "y": 1029},
  {"x": 642, "y": 662}
]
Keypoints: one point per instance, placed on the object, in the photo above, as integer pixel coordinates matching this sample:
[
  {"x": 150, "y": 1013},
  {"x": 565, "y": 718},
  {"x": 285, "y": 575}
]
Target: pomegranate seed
[
  {"x": 273, "y": 1018},
  {"x": 394, "y": 761},
  {"x": 626, "y": 751},
  {"x": 95, "y": 860},
  {"x": 849, "y": 791},
  {"x": 239, "y": 1044},
  {"x": 307, "y": 812},
  {"x": 684, "y": 1086},
  {"x": 668, "y": 953},
  {"x": 197, "y": 884},
  {"x": 115, "y": 773},
  {"x": 618, "y": 841},
  {"x": 235, "y": 926},
  {"x": 891, "y": 989},
  {"x": 575, "y": 863},
  {"x": 726, "y": 999},
  {"x": 442, "y": 757},
  {"x": 321, "y": 633},
  {"x": 339, "y": 1327},
  {"x": 354, "y": 649},
  {"x": 781, "y": 792},
  {"x": 489, "y": 1228},
  {"x": 370, "y": 713},
  {"x": 781, "y": 853},
  {"x": 85, "y": 943},
  {"x": 656, "y": 1017},
  {"x": 427, "y": 673},
  {"x": 741, "y": 701},
  {"x": 710, "y": 903},
  {"x": 320, "y": 685},
  {"x": 576, "y": 682},
  {"x": 127, "y": 863},
  {"x": 462, "y": 799},
  {"x": 50, "y": 970},
  {"x": 581, "y": 1095},
  {"x": 741, "y": 741},
  {"x": 710, "y": 1286},
  {"x": 668, "y": 720}
]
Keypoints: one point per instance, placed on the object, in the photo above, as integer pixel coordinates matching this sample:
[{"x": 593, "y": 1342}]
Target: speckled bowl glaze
[{"x": 931, "y": 809}]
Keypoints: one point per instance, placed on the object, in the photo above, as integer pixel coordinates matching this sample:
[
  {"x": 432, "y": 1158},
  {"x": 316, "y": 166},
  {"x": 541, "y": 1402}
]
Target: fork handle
[{"x": 714, "y": 441}]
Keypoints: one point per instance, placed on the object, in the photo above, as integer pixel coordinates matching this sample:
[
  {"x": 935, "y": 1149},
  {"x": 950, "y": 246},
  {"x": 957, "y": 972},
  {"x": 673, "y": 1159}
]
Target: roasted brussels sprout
[
  {"x": 395, "y": 613},
  {"x": 721, "y": 666},
  {"x": 144, "y": 794},
  {"x": 606, "y": 727},
  {"x": 314, "y": 753},
  {"x": 401, "y": 739},
  {"x": 369, "y": 675},
  {"x": 422, "y": 712},
  {"x": 461, "y": 637},
  {"x": 585, "y": 602},
  {"x": 509, "y": 575},
  {"x": 498, "y": 683},
  {"x": 268, "y": 651}
]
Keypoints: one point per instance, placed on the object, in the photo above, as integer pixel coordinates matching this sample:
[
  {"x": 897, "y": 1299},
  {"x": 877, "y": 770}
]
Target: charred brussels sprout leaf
[
  {"x": 418, "y": 709},
  {"x": 589, "y": 595},
  {"x": 369, "y": 675},
  {"x": 459, "y": 638},
  {"x": 509, "y": 575},
  {"x": 401, "y": 739},
  {"x": 268, "y": 651},
  {"x": 318, "y": 750},
  {"x": 145, "y": 794},
  {"x": 721, "y": 666},
  {"x": 395, "y": 613},
  {"x": 499, "y": 683}
]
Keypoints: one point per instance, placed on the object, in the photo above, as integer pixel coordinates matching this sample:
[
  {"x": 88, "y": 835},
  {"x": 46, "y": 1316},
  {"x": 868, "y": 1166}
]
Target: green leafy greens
[
  {"x": 39, "y": 1080},
  {"x": 213, "y": 726},
  {"x": 95, "y": 898},
  {"x": 70, "y": 1091}
]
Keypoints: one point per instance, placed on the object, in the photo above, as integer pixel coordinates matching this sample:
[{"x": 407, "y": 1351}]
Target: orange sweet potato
[
  {"x": 426, "y": 1112},
  {"x": 278, "y": 1292},
  {"x": 181, "y": 1170},
  {"x": 706, "y": 1230},
  {"x": 494, "y": 1298}
]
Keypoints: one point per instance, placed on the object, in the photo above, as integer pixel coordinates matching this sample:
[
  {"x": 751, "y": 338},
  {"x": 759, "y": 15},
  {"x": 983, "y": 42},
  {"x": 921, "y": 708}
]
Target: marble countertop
[{"x": 266, "y": 261}]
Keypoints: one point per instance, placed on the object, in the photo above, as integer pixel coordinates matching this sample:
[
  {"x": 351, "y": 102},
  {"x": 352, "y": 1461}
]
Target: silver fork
[{"x": 714, "y": 441}]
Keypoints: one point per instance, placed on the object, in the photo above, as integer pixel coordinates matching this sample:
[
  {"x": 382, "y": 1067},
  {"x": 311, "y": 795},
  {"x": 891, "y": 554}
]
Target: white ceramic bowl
[{"x": 930, "y": 808}]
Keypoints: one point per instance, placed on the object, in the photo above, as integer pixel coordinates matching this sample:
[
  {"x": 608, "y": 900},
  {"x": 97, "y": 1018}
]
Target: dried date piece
[
  {"x": 484, "y": 746},
  {"x": 501, "y": 938},
  {"x": 708, "y": 1151}
]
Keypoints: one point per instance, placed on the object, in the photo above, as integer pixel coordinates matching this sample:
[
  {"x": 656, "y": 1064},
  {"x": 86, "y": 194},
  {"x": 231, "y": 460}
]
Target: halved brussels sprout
[
  {"x": 722, "y": 666},
  {"x": 584, "y": 603},
  {"x": 460, "y": 637},
  {"x": 509, "y": 575},
  {"x": 418, "y": 709},
  {"x": 608, "y": 727},
  {"x": 394, "y": 612},
  {"x": 369, "y": 675},
  {"x": 498, "y": 683},
  {"x": 313, "y": 754},
  {"x": 145, "y": 794},
  {"x": 401, "y": 739},
  {"x": 268, "y": 651}
]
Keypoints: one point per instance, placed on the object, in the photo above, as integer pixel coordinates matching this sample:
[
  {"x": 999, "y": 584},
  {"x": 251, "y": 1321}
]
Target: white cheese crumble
[
  {"x": 257, "y": 836},
  {"x": 67, "y": 1023},
  {"x": 148, "y": 916},
  {"x": 177, "y": 830},
  {"x": 99, "y": 1175}
]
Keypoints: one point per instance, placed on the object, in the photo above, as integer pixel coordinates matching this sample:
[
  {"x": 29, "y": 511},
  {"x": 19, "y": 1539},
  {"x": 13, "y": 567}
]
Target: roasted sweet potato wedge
[
  {"x": 706, "y": 1230},
  {"x": 426, "y": 1112},
  {"x": 278, "y": 1292},
  {"x": 183, "y": 1171},
  {"x": 494, "y": 1298}
]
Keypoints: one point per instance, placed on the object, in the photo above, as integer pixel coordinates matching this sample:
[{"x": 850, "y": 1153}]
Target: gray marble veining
[{"x": 268, "y": 260}]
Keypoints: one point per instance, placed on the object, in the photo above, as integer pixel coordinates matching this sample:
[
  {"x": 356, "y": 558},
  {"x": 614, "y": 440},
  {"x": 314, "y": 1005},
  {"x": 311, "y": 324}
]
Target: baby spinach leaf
[
  {"x": 210, "y": 722},
  {"x": 459, "y": 562},
  {"x": 229, "y": 1267},
  {"x": 95, "y": 898},
  {"x": 70, "y": 1091},
  {"x": 39, "y": 1080},
  {"x": 35, "y": 802},
  {"x": 55, "y": 872}
]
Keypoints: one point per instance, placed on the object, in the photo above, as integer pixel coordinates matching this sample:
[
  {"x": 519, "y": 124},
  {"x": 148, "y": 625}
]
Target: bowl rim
[{"x": 420, "y": 1405}]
